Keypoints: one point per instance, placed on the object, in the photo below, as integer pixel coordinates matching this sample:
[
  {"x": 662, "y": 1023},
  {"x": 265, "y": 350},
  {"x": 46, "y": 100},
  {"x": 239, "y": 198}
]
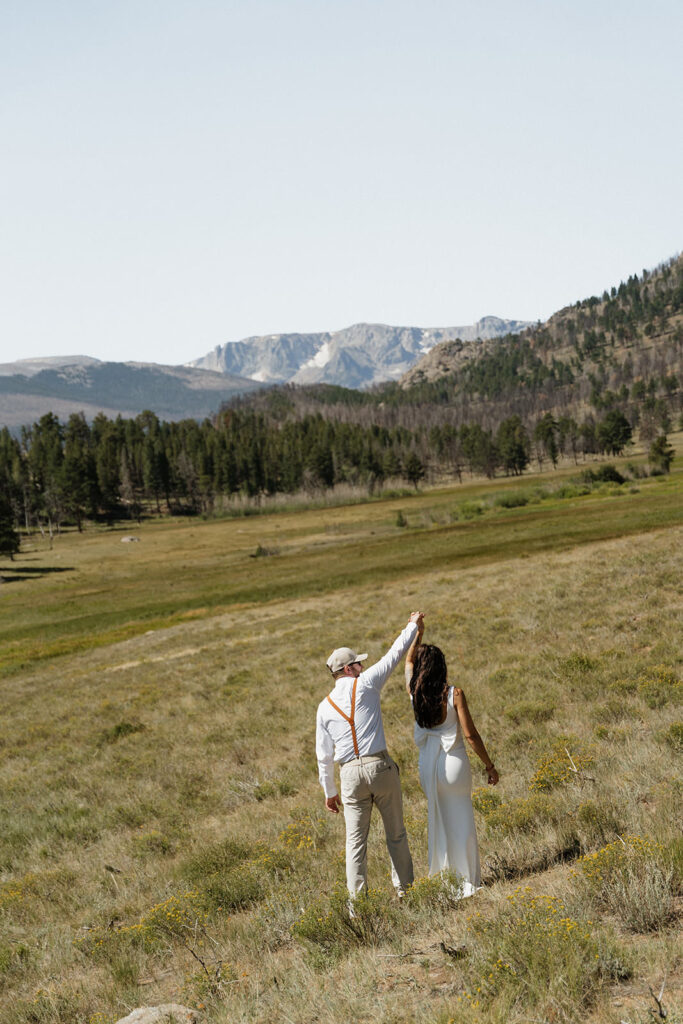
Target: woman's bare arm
[{"x": 472, "y": 736}]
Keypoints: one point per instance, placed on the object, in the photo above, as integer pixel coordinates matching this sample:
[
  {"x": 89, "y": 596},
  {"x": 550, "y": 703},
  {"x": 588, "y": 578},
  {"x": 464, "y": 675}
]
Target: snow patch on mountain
[{"x": 321, "y": 358}]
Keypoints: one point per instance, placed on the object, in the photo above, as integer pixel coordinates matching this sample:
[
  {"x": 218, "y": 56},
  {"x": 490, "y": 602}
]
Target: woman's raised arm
[{"x": 410, "y": 656}]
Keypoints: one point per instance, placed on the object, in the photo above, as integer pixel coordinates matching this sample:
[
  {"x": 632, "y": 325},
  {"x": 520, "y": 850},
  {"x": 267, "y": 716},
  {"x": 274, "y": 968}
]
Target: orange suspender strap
[{"x": 350, "y": 718}]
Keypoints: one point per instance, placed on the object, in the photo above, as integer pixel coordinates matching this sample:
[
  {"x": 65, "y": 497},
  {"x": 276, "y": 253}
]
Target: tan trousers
[{"x": 362, "y": 785}]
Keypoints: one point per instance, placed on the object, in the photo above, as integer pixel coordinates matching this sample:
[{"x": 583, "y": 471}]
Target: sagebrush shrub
[
  {"x": 173, "y": 918},
  {"x": 524, "y": 814},
  {"x": 674, "y": 736},
  {"x": 442, "y": 891},
  {"x": 306, "y": 832},
  {"x": 631, "y": 879},
  {"x": 235, "y": 889},
  {"x": 230, "y": 875},
  {"x": 151, "y": 843},
  {"x": 335, "y": 924},
  {"x": 215, "y": 857},
  {"x": 660, "y": 687},
  {"x": 612, "y": 710},
  {"x": 534, "y": 955},
  {"x": 563, "y": 761},
  {"x": 598, "y": 820},
  {"x": 485, "y": 799}
]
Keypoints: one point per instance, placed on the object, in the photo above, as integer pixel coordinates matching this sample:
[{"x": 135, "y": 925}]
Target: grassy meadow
[{"x": 163, "y": 835}]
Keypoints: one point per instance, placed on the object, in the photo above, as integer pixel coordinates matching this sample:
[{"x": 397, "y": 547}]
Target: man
[{"x": 349, "y": 730}]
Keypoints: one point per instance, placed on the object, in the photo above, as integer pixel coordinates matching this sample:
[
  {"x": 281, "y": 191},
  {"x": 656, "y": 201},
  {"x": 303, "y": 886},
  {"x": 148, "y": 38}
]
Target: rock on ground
[{"x": 169, "y": 1013}]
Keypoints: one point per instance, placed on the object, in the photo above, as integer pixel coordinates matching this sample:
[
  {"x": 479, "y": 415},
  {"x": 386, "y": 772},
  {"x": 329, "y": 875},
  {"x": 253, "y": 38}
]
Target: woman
[{"x": 442, "y": 723}]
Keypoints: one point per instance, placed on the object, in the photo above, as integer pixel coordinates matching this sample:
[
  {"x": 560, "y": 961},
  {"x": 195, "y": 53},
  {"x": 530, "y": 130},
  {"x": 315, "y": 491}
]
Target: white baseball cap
[{"x": 343, "y": 656}]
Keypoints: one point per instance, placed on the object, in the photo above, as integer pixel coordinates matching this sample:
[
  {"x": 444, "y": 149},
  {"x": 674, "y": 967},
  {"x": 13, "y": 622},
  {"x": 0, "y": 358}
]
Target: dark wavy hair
[{"x": 428, "y": 685}]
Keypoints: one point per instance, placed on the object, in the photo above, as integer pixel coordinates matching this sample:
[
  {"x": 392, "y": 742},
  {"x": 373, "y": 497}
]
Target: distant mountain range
[
  {"x": 355, "y": 357},
  {"x": 29, "y": 388}
]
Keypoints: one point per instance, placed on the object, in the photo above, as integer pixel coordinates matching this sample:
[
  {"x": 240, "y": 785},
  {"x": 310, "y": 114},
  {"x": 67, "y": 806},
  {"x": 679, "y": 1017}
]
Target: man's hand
[
  {"x": 418, "y": 618},
  {"x": 333, "y": 803}
]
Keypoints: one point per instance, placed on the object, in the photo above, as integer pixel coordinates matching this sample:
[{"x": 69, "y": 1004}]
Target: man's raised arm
[{"x": 378, "y": 673}]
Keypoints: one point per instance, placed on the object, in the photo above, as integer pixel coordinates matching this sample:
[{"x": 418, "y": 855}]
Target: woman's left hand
[{"x": 492, "y": 775}]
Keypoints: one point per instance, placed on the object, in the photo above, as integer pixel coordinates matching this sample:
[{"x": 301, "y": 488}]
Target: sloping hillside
[
  {"x": 149, "y": 855},
  {"x": 624, "y": 347}
]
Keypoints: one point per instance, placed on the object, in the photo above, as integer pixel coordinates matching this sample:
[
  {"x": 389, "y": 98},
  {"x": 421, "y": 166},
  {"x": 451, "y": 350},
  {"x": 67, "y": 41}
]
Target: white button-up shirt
[{"x": 333, "y": 739}]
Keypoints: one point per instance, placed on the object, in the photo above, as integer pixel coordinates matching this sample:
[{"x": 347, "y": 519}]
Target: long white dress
[{"x": 446, "y": 778}]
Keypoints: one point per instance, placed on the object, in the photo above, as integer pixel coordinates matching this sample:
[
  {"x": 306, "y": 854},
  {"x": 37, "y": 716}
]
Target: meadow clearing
[{"x": 163, "y": 831}]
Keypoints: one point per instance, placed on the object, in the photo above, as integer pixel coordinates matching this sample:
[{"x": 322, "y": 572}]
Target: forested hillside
[
  {"x": 615, "y": 350},
  {"x": 578, "y": 385},
  {"x": 621, "y": 351}
]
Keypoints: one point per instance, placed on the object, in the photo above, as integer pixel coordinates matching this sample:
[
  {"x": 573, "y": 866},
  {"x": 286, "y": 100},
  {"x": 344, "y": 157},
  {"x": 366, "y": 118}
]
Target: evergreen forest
[{"x": 579, "y": 385}]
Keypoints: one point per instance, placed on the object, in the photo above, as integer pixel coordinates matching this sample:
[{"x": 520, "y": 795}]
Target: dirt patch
[{"x": 185, "y": 653}]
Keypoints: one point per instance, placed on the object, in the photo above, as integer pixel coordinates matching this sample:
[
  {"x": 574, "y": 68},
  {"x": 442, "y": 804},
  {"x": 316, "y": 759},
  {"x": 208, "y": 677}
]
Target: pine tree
[
  {"x": 413, "y": 468},
  {"x": 321, "y": 465},
  {"x": 9, "y": 538},
  {"x": 661, "y": 454},
  {"x": 152, "y": 468},
  {"x": 78, "y": 470},
  {"x": 614, "y": 432},
  {"x": 513, "y": 445},
  {"x": 479, "y": 449},
  {"x": 546, "y": 440}
]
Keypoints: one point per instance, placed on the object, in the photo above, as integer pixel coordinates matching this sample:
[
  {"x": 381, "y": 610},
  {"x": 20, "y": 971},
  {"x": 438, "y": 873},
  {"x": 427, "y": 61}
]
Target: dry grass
[{"x": 163, "y": 833}]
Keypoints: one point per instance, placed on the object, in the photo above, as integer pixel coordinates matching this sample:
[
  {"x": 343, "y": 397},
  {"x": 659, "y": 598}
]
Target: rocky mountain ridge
[
  {"x": 448, "y": 357},
  {"x": 355, "y": 357}
]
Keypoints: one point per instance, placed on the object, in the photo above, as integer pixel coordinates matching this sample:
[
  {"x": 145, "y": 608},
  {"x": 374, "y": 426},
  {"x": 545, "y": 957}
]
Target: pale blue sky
[{"x": 180, "y": 174}]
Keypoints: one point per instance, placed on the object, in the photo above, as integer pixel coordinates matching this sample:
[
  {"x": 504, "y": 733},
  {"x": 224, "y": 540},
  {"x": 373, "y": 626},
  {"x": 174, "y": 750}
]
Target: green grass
[
  {"x": 194, "y": 570},
  {"x": 163, "y": 835}
]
